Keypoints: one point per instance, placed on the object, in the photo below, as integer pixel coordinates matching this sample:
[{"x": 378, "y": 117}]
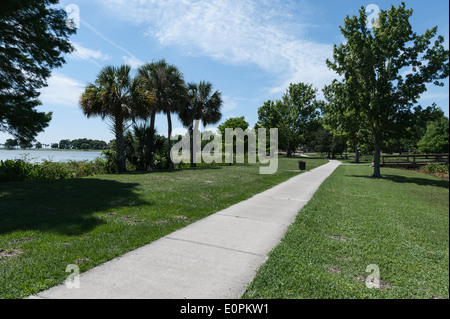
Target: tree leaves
[{"x": 33, "y": 37}]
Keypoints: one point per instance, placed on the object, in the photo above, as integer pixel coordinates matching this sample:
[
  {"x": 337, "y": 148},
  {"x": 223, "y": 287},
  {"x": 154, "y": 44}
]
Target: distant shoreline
[{"x": 48, "y": 149}]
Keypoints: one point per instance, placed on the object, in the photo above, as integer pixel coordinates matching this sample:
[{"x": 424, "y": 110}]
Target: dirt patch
[
  {"x": 383, "y": 283},
  {"x": 206, "y": 197},
  {"x": 22, "y": 240},
  {"x": 81, "y": 260},
  {"x": 162, "y": 221},
  {"x": 338, "y": 237},
  {"x": 181, "y": 217},
  {"x": 112, "y": 214},
  {"x": 8, "y": 253},
  {"x": 135, "y": 222},
  {"x": 333, "y": 270}
]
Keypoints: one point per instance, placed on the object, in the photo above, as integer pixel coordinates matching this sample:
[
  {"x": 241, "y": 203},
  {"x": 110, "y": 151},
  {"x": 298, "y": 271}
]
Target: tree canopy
[
  {"x": 436, "y": 138},
  {"x": 386, "y": 70},
  {"x": 118, "y": 97},
  {"x": 33, "y": 38},
  {"x": 295, "y": 115}
]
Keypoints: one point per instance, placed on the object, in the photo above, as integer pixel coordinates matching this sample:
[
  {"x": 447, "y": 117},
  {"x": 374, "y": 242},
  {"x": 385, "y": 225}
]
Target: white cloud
[
  {"x": 132, "y": 61},
  {"x": 235, "y": 31},
  {"x": 229, "y": 104},
  {"x": 82, "y": 53},
  {"x": 61, "y": 90}
]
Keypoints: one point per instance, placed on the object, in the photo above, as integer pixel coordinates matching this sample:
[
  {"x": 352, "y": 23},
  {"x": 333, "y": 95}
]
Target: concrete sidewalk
[{"x": 216, "y": 257}]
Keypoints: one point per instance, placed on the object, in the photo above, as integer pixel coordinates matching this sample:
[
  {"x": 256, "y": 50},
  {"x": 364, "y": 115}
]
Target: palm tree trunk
[
  {"x": 152, "y": 138},
  {"x": 191, "y": 146},
  {"x": 194, "y": 134},
  {"x": 169, "y": 124},
  {"x": 120, "y": 144}
]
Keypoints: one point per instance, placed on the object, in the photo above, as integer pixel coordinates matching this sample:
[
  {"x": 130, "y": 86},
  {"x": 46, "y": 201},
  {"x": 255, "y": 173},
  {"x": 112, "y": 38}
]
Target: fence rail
[{"x": 414, "y": 160}]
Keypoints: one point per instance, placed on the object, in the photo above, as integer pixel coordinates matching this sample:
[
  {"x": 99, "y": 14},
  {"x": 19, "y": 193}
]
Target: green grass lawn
[
  {"x": 399, "y": 223},
  {"x": 47, "y": 225}
]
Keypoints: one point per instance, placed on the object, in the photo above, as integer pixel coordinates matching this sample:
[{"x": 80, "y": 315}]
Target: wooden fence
[{"x": 413, "y": 160}]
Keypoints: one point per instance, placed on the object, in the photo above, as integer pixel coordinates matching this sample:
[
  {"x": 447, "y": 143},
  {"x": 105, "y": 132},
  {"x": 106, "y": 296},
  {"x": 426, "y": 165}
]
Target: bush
[
  {"x": 15, "y": 170},
  {"x": 111, "y": 162},
  {"x": 434, "y": 168},
  {"x": 20, "y": 170}
]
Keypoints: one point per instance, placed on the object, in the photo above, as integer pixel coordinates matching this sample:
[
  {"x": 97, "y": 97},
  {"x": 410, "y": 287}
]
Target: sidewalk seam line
[
  {"x": 250, "y": 218},
  {"x": 215, "y": 246}
]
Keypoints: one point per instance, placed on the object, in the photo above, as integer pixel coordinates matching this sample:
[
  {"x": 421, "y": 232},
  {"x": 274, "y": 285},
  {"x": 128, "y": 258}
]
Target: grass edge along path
[
  {"x": 49, "y": 225},
  {"x": 399, "y": 224}
]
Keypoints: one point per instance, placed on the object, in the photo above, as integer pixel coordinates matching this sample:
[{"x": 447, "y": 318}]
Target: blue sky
[{"x": 249, "y": 49}]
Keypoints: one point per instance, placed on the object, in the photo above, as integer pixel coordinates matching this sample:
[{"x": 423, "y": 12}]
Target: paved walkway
[{"x": 216, "y": 257}]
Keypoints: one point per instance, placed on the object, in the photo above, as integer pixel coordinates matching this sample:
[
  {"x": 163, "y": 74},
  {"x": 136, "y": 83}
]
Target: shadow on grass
[
  {"x": 174, "y": 170},
  {"x": 66, "y": 207},
  {"x": 410, "y": 180}
]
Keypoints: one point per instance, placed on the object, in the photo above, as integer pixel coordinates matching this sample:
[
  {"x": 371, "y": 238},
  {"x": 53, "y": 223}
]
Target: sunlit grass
[
  {"x": 399, "y": 223},
  {"x": 47, "y": 225}
]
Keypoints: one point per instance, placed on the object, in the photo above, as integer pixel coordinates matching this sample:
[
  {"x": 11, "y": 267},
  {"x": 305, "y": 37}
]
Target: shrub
[
  {"x": 434, "y": 168},
  {"x": 20, "y": 170},
  {"x": 14, "y": 170},
  {"x": 110, "y": 163}
]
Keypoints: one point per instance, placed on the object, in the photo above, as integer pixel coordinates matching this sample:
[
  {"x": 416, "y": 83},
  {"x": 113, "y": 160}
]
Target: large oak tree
[{"x": 387, "y": 69}]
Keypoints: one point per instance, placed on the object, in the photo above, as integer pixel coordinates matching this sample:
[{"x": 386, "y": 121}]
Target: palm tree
[
  {"x": 166, "y": 84},
  {"x": 204, "y": 105},
  {"x": 118, "y": 97}
]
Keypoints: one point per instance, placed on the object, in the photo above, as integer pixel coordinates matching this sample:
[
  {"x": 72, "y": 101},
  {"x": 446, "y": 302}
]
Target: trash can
[{"x": 302, "y": 165}]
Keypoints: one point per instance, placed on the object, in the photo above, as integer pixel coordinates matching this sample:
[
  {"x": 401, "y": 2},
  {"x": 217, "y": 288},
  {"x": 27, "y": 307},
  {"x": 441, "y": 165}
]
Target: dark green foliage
[
  {"x": 323, "y": 141},
  {"x": 92, "y": 144},
  {"x": 33, "y": 37},
  {"x": 143, "y": 145},
  {"x": 20, "y": 170},
  {"x": 434, "y": 168},
  {"x": 64, "y": 144},
  {"x": 295, "y": 116},
  {"x": 11, "y": 144},
  {"x": 436, "y": 138},
  {"x": 25, "y": 144}
]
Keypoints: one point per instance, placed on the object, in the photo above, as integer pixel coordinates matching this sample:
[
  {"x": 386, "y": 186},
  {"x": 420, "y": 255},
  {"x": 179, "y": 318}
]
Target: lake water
[{"x": 55, "y": 156}]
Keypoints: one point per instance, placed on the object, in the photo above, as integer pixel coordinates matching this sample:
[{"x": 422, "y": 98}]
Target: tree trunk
[
  {"x": 376, "y": 157},
  {"x": 169, "y": 124},
  {"x": 120, "y": 144},
  {"x": 196, "y": 142},
  {"x": 191, "y": 146},
  {"x": 288, "y": 151},
  {"x": 356, "y": 154},
  {"x": 152, "y": 138}
]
